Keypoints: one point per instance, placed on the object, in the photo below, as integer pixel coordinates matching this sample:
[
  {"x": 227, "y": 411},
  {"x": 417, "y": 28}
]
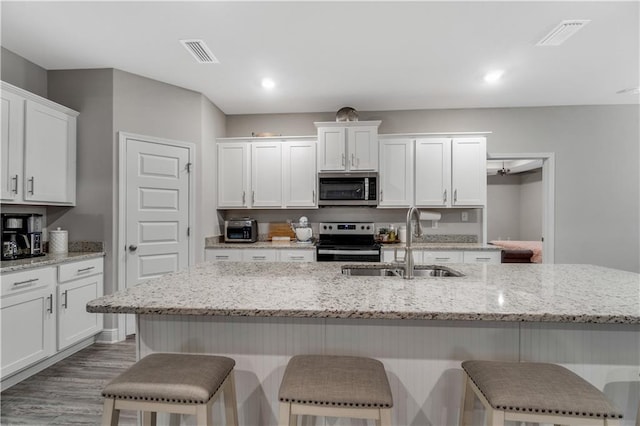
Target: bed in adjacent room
[{"x": 520, "y": 251}]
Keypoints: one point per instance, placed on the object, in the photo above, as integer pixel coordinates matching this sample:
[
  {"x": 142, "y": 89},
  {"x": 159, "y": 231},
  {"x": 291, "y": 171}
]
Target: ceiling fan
[{"x": 503, "y": 171}]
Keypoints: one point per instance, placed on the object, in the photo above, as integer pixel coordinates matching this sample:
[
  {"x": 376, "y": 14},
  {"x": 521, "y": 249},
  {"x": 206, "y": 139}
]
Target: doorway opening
[{"x": 534, "y": 176}]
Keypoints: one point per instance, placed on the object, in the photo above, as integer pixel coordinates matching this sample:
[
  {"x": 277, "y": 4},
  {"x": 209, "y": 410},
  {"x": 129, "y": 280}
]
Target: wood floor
[{"x": 68, "y": 393}]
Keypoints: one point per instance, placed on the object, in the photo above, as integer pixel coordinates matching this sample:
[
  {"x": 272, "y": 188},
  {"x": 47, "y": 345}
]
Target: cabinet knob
[{"x": 133, "y": 247}]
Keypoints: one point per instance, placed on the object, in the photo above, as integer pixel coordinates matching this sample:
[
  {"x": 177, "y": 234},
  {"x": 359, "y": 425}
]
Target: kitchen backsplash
[{"x": 81, "y": 246}]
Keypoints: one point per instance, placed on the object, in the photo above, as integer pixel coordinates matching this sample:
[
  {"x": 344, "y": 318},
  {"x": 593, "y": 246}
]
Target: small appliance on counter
[
  {"x": 303, "y": 230},
  {"x": 21, "y": 235},
  {"x": 58, "y": 241},
  {"x": 240, "y": 230}
]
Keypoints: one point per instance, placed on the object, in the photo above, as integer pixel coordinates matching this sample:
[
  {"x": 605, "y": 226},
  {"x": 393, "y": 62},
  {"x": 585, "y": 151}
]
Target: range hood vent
[
  {"x": 562, "y": 32},
  {"x": 200, "y": 51}
]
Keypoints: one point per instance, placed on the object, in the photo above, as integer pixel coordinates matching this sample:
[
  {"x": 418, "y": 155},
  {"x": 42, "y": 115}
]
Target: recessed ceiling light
[
  {"x": 268, "y": 83},
  {"x": 493, "y": 76}
]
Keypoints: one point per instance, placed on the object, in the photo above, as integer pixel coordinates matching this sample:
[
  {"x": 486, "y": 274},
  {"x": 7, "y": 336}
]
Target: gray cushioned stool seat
[
  {"x": 345, "y": 381},
  {"x": 178, "y": 378},
  {"x": 538, "y": 388}
]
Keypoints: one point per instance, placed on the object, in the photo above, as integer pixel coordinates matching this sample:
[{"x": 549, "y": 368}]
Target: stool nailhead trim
[{"x": 335, "y": 404}]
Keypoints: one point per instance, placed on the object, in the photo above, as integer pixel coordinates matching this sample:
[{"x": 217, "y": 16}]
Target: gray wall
[
  {"x": 597, "y": 178},
  {"x": 514, "y": 206},
  {"x": 16, "y": 70}
]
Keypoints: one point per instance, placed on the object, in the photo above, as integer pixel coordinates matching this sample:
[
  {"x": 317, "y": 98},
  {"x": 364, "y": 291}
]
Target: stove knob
[
  {"x": 330, "y": 226},
  {"x": 362, "y": 227},
  {"x": 324, "y": 227},
  {"x": 368, "y": 227}
]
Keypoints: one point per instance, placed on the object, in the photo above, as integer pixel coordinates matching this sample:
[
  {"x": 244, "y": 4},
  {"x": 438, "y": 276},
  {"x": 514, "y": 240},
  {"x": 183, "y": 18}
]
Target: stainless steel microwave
[{"x": 348, "y": 189}]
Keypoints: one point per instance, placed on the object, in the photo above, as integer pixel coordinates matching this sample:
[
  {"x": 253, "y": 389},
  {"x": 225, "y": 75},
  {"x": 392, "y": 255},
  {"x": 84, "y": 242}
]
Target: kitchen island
[{"x": 584, "y": 317}]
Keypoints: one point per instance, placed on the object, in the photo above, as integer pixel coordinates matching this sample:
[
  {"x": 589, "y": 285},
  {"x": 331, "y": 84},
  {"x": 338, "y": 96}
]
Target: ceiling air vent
[
  {"x": 200, "y": 51},
  {"x": 562, "y": 32}
]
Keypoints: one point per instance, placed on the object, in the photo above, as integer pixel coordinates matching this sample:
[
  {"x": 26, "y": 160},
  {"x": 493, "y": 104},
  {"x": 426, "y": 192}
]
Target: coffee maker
[{"x": 21, "y": 235}]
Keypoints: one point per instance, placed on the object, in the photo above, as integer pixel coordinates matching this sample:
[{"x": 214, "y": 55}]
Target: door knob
[{"x": 133, "y": 247}]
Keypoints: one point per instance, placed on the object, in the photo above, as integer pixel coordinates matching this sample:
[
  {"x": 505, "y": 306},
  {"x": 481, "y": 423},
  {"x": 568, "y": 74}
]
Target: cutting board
[{"x": 281, "y": 230}]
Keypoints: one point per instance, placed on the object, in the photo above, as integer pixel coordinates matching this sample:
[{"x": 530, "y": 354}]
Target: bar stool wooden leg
[
  {"x": 230, "y": 403},
  {"x": 385, "y": 417},
  {"x": 149, "y": 418},
  {"x": 495, "y": 417},
  {"x": 468, "y": 398},
  {"x": 110, "y": 415},
  {"x": 284, "y": 419}
]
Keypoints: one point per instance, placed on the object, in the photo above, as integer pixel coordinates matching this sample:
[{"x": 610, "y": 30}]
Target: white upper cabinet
[
  {"x": 300, "y": 178},
  {"x": 451, "y": 172},
  {"x": 433, "y": 172},
  {"x": 233, "y": 174},
  {"x": 348, "y": 146},
  {"x": 267, "y": 174},
  {"x": 396, "y": 173},
  {"x": 469, "y": 171},
  {"x": 38, "y": 150}
]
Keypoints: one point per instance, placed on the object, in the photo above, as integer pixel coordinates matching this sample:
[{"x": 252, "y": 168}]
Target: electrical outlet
[{"x": 465, "y": 216}]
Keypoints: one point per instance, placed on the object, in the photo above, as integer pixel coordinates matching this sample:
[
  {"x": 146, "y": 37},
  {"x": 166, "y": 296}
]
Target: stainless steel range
[{"x": 347, "y": 241}]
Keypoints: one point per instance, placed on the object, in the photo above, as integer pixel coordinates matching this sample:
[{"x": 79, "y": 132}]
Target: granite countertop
[
  {"x": 46, "y": 260},
  {"x": 510, "y": 292},
  {"x": 445, "y": 246},
  {"x": 280, "y": 245}
]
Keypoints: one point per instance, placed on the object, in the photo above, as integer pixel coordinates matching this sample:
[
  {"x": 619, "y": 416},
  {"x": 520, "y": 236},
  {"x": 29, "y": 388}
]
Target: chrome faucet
[{"x": 408, "y": 256}]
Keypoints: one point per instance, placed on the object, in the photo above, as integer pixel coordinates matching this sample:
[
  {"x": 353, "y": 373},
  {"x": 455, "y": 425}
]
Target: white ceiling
[{"x": 326, "y": 55}]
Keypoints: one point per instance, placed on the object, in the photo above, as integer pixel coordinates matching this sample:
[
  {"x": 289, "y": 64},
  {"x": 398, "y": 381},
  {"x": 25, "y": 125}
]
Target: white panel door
[
  {"x": 362, "y": 148},
  {"x": 469, "y": 171},
  {"x": 396, "y": 173},
  {"x": 266, "y": 174},
  {"x": 157, "y": 210},
  {"x": 49, "y": 155},
  {"x": 331, "y": 149},
  {"x": 11, "y": 159},
  {"x": 300, "y": 178},
  {"x": 233, "y": 174},
  {"x": 433, "y": 172}
]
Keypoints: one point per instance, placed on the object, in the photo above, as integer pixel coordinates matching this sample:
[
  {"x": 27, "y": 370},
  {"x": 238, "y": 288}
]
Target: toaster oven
[{"x": 241, "y": 230}]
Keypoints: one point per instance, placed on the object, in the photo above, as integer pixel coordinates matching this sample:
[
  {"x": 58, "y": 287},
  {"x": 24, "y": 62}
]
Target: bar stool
[
  {"x": 533, "y": 392},
  {"x": 172, "y": 383},
  {"x": 336, "y": 386}
]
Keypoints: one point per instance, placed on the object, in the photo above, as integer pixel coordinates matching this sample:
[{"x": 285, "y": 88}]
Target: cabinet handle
[
  {"x": 84, "y": 270},
  {"x": 444, "y": 196},
  {"x": 220, "y": 256},
  {"x": 353, "y": 160},
  {"x": 253, "y": 197},
  {"x": 258, "y": 257},
  {"x": 50, "y": 299},
  {"x": 313, "y": 196},
  {"x": 15, "y": 184},
  {"x": 33, "y": 185},
  {"x": 243, "y": 198},
  {"x": 296, "y": 257},
  {"x": 342, "y": 160},
  {"x": 443, "y": 258},
  {"x": 455, "y": 196},
  {"x": 483, "y": 258},
  {"x": 381, "y": 195},
  {"x": 65, "y": 295},
  {"x": 33, "y": 280}
]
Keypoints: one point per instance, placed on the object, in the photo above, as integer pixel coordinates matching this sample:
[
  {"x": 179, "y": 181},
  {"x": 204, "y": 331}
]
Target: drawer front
[
  {"x": 259, "y": 255},
  {"x": 229, "y": 255},
  {"x": 18, "y": 282},
  {"x": 389, "y": 255},
  {"x": 297, "y": 256},
  {"x": 81, "y": 269},
  {"x": 437, "y": 257},
  {"x": 482, "y": 256}
]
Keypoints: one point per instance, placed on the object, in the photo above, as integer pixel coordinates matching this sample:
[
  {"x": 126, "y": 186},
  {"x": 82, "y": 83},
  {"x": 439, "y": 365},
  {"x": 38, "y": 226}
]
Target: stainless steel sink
[{"x": 381, "y": 270}]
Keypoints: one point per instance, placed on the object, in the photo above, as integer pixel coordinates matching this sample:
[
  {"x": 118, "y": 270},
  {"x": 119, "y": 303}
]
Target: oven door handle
[{"x": 359, "y": 252}]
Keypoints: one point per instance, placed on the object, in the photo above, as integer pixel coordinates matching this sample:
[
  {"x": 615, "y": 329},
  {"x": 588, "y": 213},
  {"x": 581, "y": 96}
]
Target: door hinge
[
  {"x": 189, "y": 167},
  {"x": 188, "y": 231}
]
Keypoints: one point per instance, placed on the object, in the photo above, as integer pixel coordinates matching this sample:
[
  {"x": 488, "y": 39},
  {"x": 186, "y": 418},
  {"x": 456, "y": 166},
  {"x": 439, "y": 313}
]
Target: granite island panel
[{"x": 513, "y": 292}]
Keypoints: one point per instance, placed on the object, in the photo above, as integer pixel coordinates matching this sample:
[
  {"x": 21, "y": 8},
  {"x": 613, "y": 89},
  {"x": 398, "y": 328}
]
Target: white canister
[
  {"x": 402, "y": 234},
  {"x": 58, "y": 241}
]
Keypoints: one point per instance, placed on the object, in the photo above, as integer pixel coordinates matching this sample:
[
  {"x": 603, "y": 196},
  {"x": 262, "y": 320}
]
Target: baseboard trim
[{"x": 108, "y": 335}]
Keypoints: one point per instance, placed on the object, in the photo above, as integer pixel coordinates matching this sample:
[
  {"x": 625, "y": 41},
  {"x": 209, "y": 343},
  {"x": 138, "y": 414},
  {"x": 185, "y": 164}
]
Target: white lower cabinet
[
  {"x": 259, "y": 255},
  {"x": 28, "y": 318},
  {"x": 79, "y": 283},
  {"x": 431, "y": 257},
  {"x": 44, "y": 311},
  {"x": 489, "y": 256}
]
